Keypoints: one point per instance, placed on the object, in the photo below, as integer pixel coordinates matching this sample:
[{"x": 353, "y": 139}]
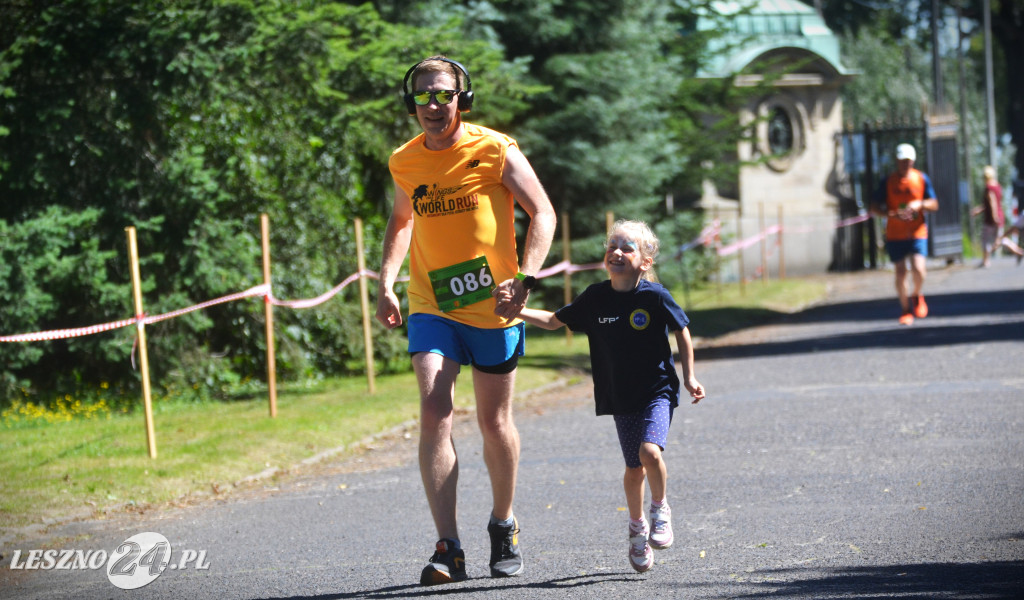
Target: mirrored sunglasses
[{"x": 443, "y": 97}]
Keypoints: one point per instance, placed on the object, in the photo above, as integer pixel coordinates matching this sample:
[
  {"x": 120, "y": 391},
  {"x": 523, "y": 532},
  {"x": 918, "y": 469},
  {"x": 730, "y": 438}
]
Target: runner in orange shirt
[{"x": 904, "y": 198}]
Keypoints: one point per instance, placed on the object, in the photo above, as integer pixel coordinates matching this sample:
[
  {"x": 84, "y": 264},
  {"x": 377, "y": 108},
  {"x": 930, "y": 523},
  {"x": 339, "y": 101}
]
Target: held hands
[
  {"x": 695, "y": 388},
  {"x": 510, "y": 298}
]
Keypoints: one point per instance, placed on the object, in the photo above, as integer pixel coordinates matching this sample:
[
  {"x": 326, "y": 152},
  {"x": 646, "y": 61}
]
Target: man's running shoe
[
  {"x": 506, "y": 559},
  {"x": 661, "y": 526},
  {"x": 447, "y": 565},
  {"x": 920, "y": 307},
  {"x": 907, "y": 319},
  {"x": 641, "y": 557}
]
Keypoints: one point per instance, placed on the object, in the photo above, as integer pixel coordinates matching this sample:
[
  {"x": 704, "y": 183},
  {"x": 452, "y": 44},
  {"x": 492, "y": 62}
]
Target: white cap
[{"x": 905, "y": 151}]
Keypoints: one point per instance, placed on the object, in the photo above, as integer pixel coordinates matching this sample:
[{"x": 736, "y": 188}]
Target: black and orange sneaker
[
  {"x": 447, "y": 565},
  {"x": 907, "y": 318},
  {"x": 506, "y": 559},
  {"x": 920, "y": 307}
]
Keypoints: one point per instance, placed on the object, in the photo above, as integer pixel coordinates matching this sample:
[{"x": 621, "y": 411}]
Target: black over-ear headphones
[{"x": 465, "y": 96}]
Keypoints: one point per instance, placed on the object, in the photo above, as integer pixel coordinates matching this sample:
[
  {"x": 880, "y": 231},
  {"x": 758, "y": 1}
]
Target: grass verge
[{"x": 86, "y": 467}]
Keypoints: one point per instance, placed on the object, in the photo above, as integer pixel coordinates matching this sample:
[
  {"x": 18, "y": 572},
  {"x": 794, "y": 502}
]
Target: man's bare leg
[
  {"x": 501, "y": 454},
  {"x": 901, "y": 285},
  {"x": 500, "y": 436},
  {"x": 439, "y": 466}
]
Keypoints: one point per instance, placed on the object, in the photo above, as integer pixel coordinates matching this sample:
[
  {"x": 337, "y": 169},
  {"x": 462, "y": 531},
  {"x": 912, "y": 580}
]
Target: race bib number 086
[{"x": 463, "y": 284}]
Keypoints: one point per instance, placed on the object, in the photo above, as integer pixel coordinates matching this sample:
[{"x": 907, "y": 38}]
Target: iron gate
[
  {"x": 870, "y": 156},
  {"x": 945, "y": 229}
]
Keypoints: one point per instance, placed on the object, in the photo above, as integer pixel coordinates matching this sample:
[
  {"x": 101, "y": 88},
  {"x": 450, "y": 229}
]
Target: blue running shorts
[
  {"x": 488, "y": 350},
  {"x": 899, "y": 249}
]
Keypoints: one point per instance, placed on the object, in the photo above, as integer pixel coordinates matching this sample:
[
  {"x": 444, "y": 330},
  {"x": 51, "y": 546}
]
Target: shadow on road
[
  {"x": 923, "y": 581},
  {"x": 713, "y": 322},
  {"x": 958, "y": 304},
  {"x": 919, "y": 581},
  {"x": 419, "y": 591},
  {"x": 921, "y": 334}
]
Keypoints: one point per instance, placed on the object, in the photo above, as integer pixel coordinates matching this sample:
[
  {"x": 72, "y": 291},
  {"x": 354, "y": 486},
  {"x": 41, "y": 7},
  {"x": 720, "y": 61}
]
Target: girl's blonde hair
[{"x": 647, "y": 243}]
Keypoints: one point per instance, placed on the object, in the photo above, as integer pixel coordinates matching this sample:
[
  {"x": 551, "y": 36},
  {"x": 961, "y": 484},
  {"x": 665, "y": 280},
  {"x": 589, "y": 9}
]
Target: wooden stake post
[
  {"x": 739, "y": 252},
  {"x": 364, "y": 302},
  {"x": 764, "y": 243},
  {"x": 147, "y": 398},
  {"x": 718, "y": 259},
  {"x": 269, "y": 312},
  {"x": 567, "y": 257},
  {"x": 782, "y": 248}
]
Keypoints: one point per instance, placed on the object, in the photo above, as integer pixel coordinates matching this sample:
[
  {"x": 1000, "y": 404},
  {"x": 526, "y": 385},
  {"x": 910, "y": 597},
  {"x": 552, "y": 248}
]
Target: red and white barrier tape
[
  {"x": 837, "y": 225},
  {"x": 311, "y": 302},
  {"x": 750, "y": 241},
  {"x": 707, "y": 236},
  {"x": 259, "y": 290},
  {"x": 58, "y": 334},
  {"x": 324, "y": 297},
  {"x": 566, "y": 266}
]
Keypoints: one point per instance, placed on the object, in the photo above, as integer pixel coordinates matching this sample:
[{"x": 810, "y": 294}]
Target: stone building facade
[{"x": 793, "y": 166}]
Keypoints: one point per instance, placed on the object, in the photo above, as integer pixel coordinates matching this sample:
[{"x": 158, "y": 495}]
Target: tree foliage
[
  {"x": 907, "y": 34},
  {"x": 892, "y": 82},
  {"x": 597, "y": 136},
  {"x": 187, "y": 119}
]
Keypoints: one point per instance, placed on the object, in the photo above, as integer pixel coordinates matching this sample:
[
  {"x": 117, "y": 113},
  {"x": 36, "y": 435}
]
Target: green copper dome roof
[{"x": 753, "y": 28}]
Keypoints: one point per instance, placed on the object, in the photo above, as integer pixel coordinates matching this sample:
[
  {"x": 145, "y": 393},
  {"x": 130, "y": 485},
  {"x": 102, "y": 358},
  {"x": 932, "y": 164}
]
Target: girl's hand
[{"x": 695, "y": 388}]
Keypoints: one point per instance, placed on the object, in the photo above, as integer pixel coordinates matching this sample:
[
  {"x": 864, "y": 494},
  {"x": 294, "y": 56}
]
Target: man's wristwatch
[{"x": 529, "y": 281}]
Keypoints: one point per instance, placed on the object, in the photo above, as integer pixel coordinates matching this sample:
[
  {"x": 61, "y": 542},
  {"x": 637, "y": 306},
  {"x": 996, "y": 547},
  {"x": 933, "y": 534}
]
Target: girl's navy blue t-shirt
[{"x": 630, "y": 352}]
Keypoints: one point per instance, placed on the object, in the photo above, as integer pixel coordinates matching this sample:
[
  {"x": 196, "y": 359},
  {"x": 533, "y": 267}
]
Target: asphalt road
[{"x": 838, "y": 455}]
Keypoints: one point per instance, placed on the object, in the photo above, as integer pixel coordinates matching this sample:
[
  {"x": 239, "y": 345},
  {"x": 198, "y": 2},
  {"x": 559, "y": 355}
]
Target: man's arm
[
  {"x": 520, "y": 178},
  {"x": 926, "y": 205},
  {"x": 929, "y": 203},
  {"x": 916, "y": 208},
  {"x": 397, "y": 238}
]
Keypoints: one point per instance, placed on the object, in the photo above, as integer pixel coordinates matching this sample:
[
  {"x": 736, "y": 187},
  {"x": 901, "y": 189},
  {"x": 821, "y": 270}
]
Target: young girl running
[{"x": 627, "y": 319}]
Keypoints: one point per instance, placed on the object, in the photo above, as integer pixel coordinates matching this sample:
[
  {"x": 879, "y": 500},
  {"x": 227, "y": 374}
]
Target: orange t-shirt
[
  {"x": 461, "y": 212},
  {"x": 899, "y": 191}
]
